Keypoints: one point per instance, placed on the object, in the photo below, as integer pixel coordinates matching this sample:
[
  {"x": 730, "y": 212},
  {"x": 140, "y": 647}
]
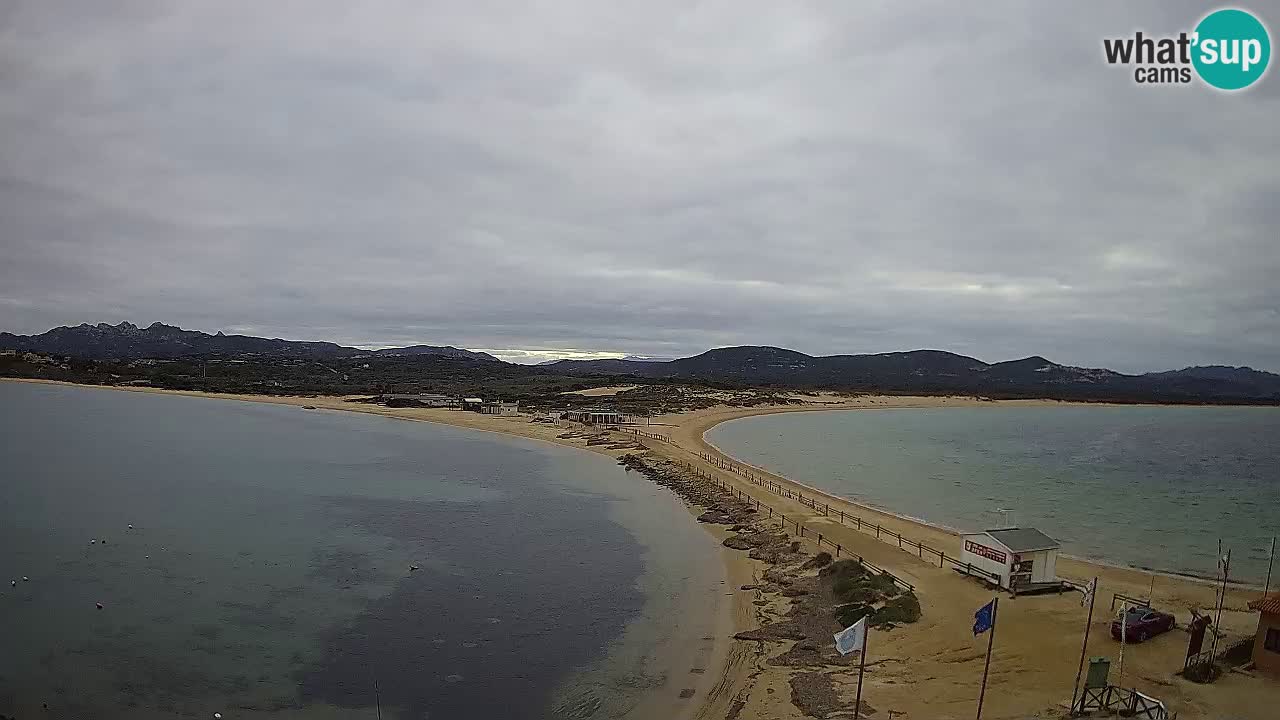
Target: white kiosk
[{"x": 1023, "y": 558}]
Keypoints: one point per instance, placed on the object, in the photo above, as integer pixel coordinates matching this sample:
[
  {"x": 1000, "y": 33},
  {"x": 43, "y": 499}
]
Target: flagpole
[
  {"x": 1222, "y": 599},
  {"x": 1124, "y": 637},
  {"x": 1075, "y": 689},
  {"x": 862, "y": 665},
  {"x": 1271, "y": 560},
  {"x": 995, "y": 607}
]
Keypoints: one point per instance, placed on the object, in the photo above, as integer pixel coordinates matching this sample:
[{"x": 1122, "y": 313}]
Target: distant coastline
[{"x": 173, "y": 357}]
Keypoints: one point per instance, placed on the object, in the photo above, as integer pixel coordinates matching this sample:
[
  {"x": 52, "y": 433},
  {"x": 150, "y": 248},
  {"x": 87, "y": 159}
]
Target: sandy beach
[
  {"x": 929, "y": 669},
  {"x": 1040, "y": 637}
]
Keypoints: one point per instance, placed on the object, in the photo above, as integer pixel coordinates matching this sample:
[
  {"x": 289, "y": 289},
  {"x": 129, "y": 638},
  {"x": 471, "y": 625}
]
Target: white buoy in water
[
  {"x": 130, "y": 526},
  {"x": 99, "y": 605},
  {"x": 217, "y": 716},
  {"x": 13, "y": 583},
  {"x": 25, "y": 578},
  {"x": 93, "y": 542}
]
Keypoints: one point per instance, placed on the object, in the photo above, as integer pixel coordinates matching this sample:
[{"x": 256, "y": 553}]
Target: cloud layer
[{"x": 831, "y": 177}]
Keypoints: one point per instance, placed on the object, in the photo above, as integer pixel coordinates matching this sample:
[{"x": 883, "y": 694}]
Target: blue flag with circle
[{"x": 983, "y": 618}]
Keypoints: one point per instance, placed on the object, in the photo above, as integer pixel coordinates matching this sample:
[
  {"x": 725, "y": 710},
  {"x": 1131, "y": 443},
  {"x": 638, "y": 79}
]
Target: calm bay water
[
  {"x": 1151, "y": 487},
  {"x": 267, "y": 573}
]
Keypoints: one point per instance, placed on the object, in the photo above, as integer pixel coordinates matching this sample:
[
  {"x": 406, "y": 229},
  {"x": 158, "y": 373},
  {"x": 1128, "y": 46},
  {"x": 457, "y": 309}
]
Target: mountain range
[
  {"x": 918, "y": 371},
  {"x": 937, "y": 371},
  {"x": 160, "y": 341}
]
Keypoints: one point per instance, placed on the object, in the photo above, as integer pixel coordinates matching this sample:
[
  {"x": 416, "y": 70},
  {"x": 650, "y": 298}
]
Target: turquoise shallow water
[
  {"x": 267, "y": 572},
  {"x": 1151, "y": 487}
]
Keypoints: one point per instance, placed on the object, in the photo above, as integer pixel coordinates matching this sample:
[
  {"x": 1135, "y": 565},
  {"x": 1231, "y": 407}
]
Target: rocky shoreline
[{"x": 801, "y": 599}]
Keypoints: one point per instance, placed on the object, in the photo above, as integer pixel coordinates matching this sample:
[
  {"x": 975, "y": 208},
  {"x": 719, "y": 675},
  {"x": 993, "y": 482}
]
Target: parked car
[{"x": 1141, "y": 623}]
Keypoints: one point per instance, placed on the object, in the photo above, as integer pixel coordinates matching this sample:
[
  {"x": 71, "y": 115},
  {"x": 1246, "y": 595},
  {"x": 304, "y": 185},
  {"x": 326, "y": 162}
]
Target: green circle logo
[{"x": 1232, "y": 49}]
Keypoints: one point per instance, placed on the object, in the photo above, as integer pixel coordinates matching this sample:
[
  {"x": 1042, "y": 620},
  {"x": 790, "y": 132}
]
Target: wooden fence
[
  {"x": 643, "y": 434},
  {"x": 801, "y": 530},
  {"x": 1127, "y": 702},
  {"x": 1082, "y": 587},
  {"x": 850, "y": 520},
  {"x": 1241, "y": 646}
]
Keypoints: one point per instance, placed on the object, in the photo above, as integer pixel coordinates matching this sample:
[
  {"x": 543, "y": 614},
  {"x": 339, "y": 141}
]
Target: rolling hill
[
  {"x": 130, "y": 342},
  {"x": 916, "y": 371},
  {"x": 937, "y": 371}
]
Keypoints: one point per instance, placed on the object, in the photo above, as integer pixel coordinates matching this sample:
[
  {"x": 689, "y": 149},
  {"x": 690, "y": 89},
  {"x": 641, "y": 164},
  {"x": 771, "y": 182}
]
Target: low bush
[
  {"x": 822, "y": 559},
  {"x": 851, "y": 613},
  {"x": 903, "y": 609},
  {"x": 844, "y": 569}
]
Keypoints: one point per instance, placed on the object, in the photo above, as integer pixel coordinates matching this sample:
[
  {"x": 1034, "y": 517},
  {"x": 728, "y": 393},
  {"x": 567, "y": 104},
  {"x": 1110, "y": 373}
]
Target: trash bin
[{"x": 1099, "y": 670}]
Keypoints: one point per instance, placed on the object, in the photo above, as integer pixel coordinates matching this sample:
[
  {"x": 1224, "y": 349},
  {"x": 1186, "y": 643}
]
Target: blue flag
[{"x": 983, "y": 618}]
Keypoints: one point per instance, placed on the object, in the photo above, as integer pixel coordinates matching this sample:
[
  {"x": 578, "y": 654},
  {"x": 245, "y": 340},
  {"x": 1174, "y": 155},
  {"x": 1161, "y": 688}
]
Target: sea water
[
  {"x": 267, "y": 573},
  {"x": 1149, "y": 487}
]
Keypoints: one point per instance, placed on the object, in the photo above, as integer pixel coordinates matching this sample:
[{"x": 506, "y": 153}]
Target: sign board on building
[{"x": 986, "y": 552}]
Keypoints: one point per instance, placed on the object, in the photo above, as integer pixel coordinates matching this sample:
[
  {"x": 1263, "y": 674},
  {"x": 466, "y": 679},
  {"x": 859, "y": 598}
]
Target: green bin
[{"x": 1099, "y": 669}]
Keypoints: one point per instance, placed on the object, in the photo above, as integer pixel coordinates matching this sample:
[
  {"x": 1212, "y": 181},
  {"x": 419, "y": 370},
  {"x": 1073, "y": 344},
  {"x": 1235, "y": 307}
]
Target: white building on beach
[
  {"x": 1023, "y": 558},
  {"x": 605, "y": 416},
  {"x": 498, "y": 407}
]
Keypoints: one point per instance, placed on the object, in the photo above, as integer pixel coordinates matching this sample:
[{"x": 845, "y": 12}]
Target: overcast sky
[{"x": 651, "y": 178}]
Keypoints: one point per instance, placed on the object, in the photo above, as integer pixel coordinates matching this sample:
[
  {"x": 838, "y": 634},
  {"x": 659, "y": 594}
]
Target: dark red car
[{"x": 1141, "y": 623}]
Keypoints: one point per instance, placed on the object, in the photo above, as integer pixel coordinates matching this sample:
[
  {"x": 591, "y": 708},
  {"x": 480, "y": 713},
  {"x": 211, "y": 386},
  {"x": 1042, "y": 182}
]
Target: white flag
[
  {"x": 1088, "y": 593},
  {"x": 852, "y": 637}
]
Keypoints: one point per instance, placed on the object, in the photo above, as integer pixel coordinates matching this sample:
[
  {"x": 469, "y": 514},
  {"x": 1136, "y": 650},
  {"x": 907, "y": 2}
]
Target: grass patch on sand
[{"x": 861, "y": 593}]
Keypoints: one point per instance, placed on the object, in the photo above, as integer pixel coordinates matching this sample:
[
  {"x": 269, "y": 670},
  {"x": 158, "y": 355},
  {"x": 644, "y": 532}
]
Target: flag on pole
[
  {"x": 1124, "y": 636},
  {"x": 982, "y": 620},
  {"x": 851, "y": 638},
  {"x": 1088, "y": 592}
]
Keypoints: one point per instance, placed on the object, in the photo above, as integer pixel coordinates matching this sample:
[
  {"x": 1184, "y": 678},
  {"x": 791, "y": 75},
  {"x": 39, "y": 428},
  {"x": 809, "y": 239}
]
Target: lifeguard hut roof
[{"x": 1024, "y": 540}]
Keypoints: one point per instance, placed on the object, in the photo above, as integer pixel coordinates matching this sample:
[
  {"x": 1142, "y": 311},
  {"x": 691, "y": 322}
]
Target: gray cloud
[{"x": 655, "y": 179}]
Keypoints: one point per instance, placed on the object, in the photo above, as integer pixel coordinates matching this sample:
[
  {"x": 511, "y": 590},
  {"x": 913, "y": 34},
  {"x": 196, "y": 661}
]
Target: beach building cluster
[
  {"x": 604, "y": 416},
  {"x": 436, "y": 400}
]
